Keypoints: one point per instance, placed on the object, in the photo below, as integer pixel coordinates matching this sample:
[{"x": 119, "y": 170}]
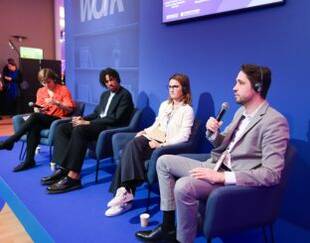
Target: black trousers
[
  {"x": 70, "y": 144},
  {"x": 131, "y": 171},
  {"x": 32, "y": 127}
]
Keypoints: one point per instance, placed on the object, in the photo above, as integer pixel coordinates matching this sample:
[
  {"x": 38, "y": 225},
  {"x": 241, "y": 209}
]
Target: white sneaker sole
[
  {"x": 115, "y": 204},
  {"x": 117, "y": 210}
]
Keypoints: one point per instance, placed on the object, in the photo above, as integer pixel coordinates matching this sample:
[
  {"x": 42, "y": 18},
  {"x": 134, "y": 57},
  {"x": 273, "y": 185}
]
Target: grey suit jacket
[{"x": 258, "y": 156}]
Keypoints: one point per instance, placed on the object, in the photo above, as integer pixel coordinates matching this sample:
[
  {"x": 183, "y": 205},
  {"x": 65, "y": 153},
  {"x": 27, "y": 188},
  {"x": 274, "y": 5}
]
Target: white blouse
[{"x": 176, "y": 122}]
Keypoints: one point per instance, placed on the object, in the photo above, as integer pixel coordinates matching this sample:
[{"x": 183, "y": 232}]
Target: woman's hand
[
  {"x": 48, "y": 100},
  {"x": 53, "y": 101},
  {"x": 154, "y": 144},
  {"x": 7, "y": 78}
]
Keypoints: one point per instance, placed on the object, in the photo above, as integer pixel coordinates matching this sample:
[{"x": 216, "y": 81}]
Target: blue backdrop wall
[
  {"x": 210, "y": 51},
  {"x": 101, "y": 34}
]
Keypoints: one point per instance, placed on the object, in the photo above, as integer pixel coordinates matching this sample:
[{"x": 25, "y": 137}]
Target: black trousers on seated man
[{"x": 71, "y": 144}]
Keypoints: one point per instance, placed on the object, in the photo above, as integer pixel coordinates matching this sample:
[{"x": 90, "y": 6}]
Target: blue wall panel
[
  {"x": 101, "y": 34},
  {"x": 211, "y": 50}
]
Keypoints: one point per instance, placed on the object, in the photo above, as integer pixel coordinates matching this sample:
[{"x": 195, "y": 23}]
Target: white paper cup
[
  {"x": 144, "y": 219},
  {"x": 53, "y": 166}
]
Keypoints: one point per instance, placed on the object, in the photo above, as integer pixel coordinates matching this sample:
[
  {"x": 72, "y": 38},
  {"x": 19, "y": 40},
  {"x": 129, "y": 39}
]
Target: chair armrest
[
  {"x": 118, "y": 143},
  {"x": 169, "y": 149},
  {"x": 104, "y": 141},
  {"x": 18, "y": 120},
  {"x": 234, "y": 208},
  {"x": 53, "y": 127}
]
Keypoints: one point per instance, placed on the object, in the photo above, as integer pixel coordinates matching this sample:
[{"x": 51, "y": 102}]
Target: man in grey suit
[{"x": 250, "y": 152}]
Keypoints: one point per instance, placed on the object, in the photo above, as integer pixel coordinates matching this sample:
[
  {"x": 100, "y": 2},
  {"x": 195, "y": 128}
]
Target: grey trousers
[{"x": 182, "y": 195}]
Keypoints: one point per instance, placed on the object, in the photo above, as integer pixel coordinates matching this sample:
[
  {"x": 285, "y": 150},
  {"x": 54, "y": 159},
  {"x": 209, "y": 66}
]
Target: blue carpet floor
[{"x": 78, "y": 216}]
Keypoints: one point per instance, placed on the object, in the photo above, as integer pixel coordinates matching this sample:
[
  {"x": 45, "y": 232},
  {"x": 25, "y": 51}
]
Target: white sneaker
[
  {"x": 121, "y": 197},
  {"x": 116, "y": 210}
]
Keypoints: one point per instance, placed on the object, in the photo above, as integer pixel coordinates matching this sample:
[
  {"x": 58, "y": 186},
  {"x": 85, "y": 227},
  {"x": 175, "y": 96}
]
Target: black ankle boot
[{"x": 6, "y": 145}]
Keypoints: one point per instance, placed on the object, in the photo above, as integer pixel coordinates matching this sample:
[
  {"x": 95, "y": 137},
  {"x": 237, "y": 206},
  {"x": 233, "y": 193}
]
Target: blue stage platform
[{"x": 78, "y": 216}]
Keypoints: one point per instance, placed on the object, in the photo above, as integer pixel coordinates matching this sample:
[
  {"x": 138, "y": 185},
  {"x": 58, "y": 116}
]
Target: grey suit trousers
[{"x": 182, "y": 195}]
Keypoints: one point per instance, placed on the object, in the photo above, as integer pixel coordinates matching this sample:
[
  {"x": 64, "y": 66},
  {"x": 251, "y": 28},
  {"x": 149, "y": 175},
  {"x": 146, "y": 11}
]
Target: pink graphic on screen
[{"x": 183, "y": 9}]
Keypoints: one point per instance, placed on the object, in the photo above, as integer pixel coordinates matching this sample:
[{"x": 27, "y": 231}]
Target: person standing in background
[
  {"x": 12, "y": 78},
  {"x": 1, "y": 96}
]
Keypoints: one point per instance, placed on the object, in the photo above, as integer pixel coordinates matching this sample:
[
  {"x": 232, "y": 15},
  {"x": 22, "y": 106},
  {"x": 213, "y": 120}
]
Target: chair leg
[
  {"x": 22, "y": 152},
  {"x": 50, "y": 153},
  {"x": 264, "y": 234},
  {"x": 148, "y": 203},
  {"x": 97, "y": 170},
  {"x": 272, "y": 233}
]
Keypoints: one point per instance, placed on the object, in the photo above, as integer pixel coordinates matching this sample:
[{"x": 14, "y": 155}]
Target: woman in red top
[{"x": 54, "y": 102}]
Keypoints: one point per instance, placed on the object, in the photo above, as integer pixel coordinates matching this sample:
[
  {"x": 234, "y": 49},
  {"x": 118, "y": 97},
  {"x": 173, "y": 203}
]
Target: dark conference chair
[
  {"x": 120, "y": 140},
  {"x": 230, "y": 209},
  {"x": 46, "y": 134},
  {"x": 102, "y": 148}
]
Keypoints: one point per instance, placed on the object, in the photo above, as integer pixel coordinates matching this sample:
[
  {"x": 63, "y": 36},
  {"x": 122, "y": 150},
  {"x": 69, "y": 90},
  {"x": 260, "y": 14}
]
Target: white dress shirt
[
  {"x": 105, "y": 112},
  {"x": 175, "y": 122}
]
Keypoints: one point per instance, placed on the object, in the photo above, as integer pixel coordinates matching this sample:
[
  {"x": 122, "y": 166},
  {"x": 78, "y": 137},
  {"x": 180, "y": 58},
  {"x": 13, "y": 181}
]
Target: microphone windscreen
[{"x": 225, "y": 106}]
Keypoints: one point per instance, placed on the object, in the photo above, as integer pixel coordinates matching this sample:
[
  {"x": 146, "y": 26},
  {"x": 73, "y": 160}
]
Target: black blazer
[{"x": 119, "y": 112}]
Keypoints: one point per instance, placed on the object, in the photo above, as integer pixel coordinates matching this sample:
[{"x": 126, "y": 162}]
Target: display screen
[
  {"x": 32, "y": 53},
  {"x": 174, "y": 10}
]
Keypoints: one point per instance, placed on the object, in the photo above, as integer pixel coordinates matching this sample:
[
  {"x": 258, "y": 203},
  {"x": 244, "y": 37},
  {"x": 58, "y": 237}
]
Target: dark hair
[
  {"x": 46, "y": 73},
  {"x": 183, "y": 79},
  {"x": 259, "y": 76},
  {"x": 11, "y": 61},
  {"x": 111, "y": 72}
]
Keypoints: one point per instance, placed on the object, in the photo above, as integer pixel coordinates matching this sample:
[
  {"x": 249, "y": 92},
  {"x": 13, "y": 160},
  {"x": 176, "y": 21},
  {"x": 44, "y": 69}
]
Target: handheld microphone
[
  {"x": 31, "y": 104},
  {"x": 224, "y": 108}
]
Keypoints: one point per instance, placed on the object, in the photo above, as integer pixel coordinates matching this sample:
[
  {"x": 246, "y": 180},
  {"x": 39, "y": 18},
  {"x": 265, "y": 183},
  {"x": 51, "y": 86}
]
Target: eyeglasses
[{"x": 173, "y": 86}]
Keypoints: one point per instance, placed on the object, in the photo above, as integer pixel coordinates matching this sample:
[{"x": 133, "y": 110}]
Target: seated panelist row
[
  {"x": 250, "y": 151},
  {"x": 54, "y": 102},
  {"x": 173, "y": 125}
]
